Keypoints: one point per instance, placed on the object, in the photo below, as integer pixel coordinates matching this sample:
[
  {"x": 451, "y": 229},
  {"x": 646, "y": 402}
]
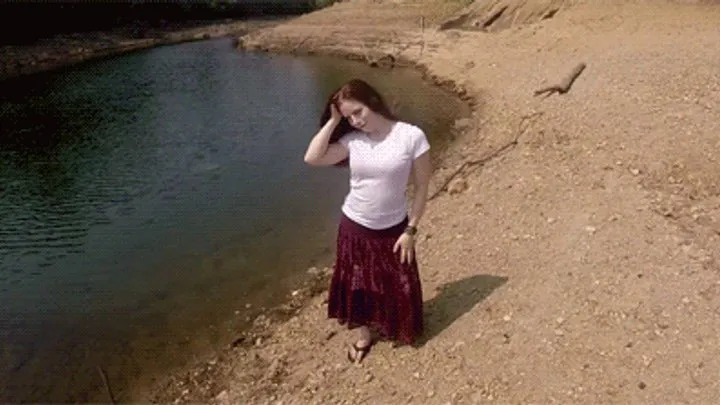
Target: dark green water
[{"x": 146, "y": 199}]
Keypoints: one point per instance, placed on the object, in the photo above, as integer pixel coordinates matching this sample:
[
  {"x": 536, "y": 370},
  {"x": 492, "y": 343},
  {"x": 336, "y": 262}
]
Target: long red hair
[{"x": 360, "y": 91}]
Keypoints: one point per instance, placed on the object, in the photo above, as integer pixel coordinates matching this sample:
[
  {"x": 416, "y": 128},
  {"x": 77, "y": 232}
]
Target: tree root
[
  {"x": 522, "y": 128},
  {"x": 564, "y": 86}
]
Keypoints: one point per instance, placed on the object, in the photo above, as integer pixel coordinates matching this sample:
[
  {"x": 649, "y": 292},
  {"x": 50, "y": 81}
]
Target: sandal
[{"x": 359, "y": 352}]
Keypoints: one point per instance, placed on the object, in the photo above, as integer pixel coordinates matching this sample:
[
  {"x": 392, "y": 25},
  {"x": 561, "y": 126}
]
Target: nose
[{"x": 354, "y": 121}]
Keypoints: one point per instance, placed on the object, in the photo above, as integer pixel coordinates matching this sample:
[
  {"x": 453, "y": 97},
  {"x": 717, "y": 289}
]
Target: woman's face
[{"x": 358, "y": 115}]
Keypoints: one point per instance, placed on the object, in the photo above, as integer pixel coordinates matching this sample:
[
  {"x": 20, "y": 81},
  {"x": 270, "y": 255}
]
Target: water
[{"x": 146, "y": 199}]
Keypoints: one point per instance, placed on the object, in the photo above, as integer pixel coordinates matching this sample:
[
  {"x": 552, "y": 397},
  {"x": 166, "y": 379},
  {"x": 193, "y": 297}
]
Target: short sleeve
[{"x": 420, "y": 143}]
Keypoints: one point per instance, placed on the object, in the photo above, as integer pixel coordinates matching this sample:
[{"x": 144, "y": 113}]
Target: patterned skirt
[{"x": 370, "y": 287}]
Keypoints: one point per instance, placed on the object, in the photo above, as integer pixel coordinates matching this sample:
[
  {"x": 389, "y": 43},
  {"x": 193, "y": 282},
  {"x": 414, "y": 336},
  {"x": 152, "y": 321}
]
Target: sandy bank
[{"x": 574, "y": 256}]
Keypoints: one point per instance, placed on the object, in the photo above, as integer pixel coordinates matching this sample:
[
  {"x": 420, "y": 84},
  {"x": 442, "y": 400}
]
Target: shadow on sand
[{"x": 455, "y": 299}]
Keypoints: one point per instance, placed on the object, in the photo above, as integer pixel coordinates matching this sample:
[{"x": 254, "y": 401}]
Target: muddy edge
[{"x": 206, "y": 377}]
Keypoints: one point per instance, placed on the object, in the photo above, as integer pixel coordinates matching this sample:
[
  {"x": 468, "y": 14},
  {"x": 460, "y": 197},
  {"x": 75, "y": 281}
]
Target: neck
[{"x": 384, "y": 128}]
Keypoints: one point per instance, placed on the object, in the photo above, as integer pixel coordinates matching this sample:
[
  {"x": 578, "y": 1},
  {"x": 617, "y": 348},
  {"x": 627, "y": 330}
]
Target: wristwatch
[{"x": 411, "y": 230}]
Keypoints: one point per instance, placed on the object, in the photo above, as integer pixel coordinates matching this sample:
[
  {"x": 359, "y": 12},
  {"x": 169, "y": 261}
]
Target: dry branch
[
  {"x": 106, "y": 384},
  {"x": 391, "y": 57},
  {"x": 299, "y": 44},
  {"x": 564, "y": 86},
  {"x": 481, "y": 161}
]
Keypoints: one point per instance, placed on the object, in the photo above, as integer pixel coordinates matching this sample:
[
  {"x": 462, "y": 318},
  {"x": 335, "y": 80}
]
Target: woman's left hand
[{"x": 406, "y": 245}]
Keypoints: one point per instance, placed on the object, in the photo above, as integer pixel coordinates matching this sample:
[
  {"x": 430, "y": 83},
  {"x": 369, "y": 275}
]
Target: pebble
[
  {"x": 457, "y": 186},
  {"x": 222, "y": 396},
  {"x": 463, "y": 123},
  {"x": 507, "y": 318}
]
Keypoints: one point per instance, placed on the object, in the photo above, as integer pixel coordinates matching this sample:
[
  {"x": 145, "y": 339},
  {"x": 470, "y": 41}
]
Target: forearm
[
  {"x": 319, "y": 144},
  {"x": 417, "y": 208}
]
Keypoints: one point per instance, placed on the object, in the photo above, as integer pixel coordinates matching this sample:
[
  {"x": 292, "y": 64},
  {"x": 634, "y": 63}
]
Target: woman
[{"x": 375, "y": 283}]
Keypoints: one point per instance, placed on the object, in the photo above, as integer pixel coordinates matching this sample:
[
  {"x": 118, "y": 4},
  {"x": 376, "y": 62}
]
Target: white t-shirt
[{"x": 379, "y": 173}]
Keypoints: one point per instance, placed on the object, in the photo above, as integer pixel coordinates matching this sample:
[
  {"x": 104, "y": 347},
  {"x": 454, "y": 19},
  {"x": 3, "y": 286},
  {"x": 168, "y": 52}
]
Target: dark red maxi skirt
[{"x": 370, "y": 287}]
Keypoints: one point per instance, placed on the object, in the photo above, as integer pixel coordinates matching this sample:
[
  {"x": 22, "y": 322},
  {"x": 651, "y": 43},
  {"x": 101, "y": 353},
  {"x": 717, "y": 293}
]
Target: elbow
[{"x": 310, "y": 161}]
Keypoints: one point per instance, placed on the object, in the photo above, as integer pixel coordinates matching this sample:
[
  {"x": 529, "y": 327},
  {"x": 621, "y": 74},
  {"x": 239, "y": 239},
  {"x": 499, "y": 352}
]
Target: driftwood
[
  {"x": 385, "y": 59},
  {"x": 106, "y": 384},
  {"x": 564, "y": 86},
  {"x": 522, "y": 128},
  {"x": 298, "y": 45}
]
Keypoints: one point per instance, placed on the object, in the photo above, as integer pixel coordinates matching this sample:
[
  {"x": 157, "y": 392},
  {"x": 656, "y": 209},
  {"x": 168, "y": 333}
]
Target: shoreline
[
  {"x": 203, "y": 382},
  {"x": 67, "y": 50},
  {"x": 261, "y": 326}
]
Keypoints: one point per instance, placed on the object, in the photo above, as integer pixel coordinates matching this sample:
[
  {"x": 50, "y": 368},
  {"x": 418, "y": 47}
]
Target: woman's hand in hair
[{"x": 335, "y": 113}]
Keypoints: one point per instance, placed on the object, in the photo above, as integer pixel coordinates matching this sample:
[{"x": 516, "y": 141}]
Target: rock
[
  {"x": 222, "y": 396},
  {"x": 457, "y": 186},
  {"x": 463, "y": 124},
  {"x": 276, "y": 369},
  {"x": 642, "y": 385}
]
